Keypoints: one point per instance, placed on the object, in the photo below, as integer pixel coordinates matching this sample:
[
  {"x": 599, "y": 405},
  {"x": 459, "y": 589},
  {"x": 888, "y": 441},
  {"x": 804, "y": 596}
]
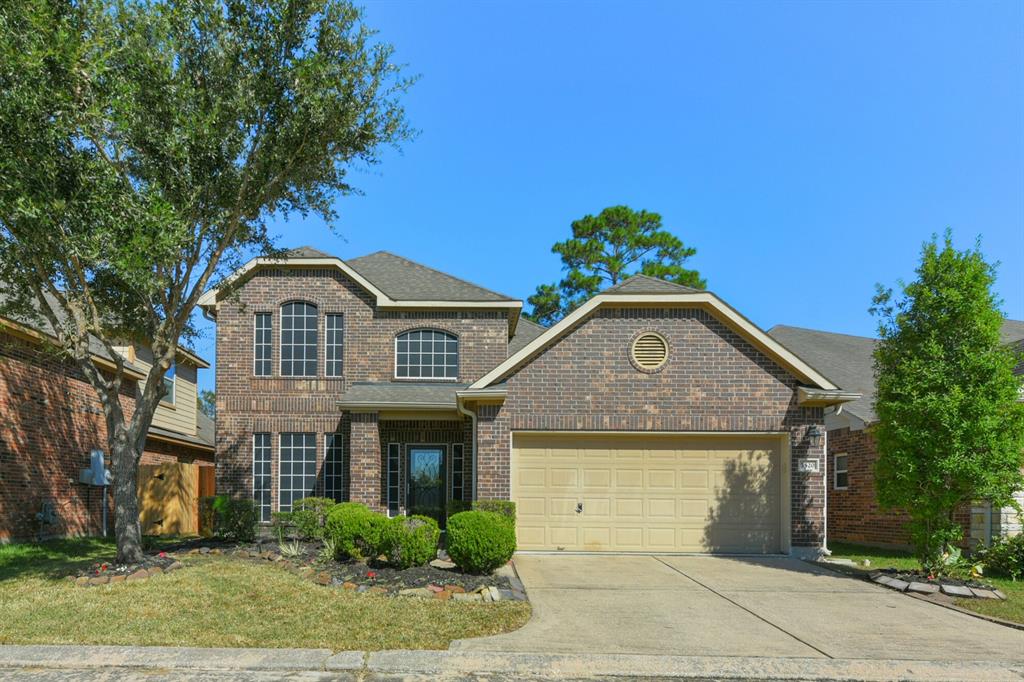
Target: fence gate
[{"x": 169, "y": 497}]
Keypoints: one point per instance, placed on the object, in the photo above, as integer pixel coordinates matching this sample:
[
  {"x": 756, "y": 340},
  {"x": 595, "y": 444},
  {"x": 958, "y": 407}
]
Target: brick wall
[
  {"x": 424, "y": 432},
  {"x": 247, "y": 404},
  {"x": 714, "y": 380},
  {"x": 161, "y": 452},
  {"x": 854, "y": 514}
]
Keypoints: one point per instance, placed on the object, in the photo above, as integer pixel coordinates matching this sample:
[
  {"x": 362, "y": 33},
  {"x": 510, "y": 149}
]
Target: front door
[{"x": 425, "y": 494}]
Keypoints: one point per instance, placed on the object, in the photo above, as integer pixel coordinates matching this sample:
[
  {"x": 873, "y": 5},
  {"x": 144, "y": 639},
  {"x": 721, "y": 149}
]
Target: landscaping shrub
[
  {"x": 506, "y": 508},
  {"x": 1005, "y": 557},
  {"x": 283, "y": 524},
  {"x": 356, "y": 530},
  {"x": 480, "y": 541},
  {"x": 309, "y": 515},
  {"x": 207, "y": 516},
  {"x": 237, "y": 519},
  {"x": 410, "y": 541}
]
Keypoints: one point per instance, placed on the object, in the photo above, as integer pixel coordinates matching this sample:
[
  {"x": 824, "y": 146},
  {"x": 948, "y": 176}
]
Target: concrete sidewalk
[{"x": 45, "y": 663}]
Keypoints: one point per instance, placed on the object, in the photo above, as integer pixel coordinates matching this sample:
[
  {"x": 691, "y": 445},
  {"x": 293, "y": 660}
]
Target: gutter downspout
[
  {"x": 824, "y": 542},
  {"x": 472, "y": 418}
]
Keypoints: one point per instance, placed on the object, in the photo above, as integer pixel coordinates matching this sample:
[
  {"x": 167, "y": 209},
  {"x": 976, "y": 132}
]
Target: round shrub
[
  {"x": 1005, "y": 557},
  {"x": 309, "y": 516},
  {"x": 357, "y": 531},
  {"x": 411, "y": 541},
  {"x": 479, "y": 541}
]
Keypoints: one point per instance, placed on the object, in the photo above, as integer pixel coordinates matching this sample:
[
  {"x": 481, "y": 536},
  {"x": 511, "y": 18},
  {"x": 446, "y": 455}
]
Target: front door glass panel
[{"x": 426, "y": 483}]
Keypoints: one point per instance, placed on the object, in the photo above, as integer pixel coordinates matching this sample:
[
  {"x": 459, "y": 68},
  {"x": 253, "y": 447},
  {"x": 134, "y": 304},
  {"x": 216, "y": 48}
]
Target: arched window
[
  {"x": 298, "y": 339},
  {"x": 426, "y": 354}
]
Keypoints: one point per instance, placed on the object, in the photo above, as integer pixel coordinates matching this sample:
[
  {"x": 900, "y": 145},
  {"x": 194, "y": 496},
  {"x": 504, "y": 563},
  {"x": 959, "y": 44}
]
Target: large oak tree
[{"x": 143, "y": 147}]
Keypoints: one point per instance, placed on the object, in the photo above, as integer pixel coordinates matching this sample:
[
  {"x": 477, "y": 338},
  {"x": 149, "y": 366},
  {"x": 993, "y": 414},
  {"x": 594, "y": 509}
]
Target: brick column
[{"x": 364, "y": 460}]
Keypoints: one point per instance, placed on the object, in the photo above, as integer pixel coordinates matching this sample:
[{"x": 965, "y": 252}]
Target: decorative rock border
[
  {"x": 125, "y": 575},
  {"x": 959, "y": 591}
]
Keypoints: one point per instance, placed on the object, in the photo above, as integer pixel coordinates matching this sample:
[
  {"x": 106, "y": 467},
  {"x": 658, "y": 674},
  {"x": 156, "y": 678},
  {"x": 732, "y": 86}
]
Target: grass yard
[
  {"x": 220, "y": 602},
  {"x": 1012, "y": 609}
]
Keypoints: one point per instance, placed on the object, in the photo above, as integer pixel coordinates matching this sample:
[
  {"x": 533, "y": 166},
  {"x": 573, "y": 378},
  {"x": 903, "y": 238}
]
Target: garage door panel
[{"x": 648, "y": 493}]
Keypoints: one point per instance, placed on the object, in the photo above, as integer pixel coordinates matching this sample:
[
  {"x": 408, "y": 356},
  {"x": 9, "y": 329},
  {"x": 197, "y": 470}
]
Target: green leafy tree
[
  {"x": 951, "y": 429},
  {"x": 207, "y": 403},
  {"x": 604, "y": 250},
  {"x": 143, "y": 147}
]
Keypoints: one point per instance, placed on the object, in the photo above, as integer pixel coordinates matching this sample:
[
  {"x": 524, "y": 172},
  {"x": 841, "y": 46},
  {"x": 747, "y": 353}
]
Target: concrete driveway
[{"x": 719, "y": 606}]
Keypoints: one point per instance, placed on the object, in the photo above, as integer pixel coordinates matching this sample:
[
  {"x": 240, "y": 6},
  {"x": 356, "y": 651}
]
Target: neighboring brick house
[
  {"x": 51, "y": 420},
  {"x": 853, "y": 511},
  {"x": 653, "y": 418}
]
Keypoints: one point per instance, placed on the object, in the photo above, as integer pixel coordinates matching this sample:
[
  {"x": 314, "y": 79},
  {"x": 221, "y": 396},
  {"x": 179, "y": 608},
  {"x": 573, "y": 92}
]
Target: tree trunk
[{"x": 124, "y": 461}]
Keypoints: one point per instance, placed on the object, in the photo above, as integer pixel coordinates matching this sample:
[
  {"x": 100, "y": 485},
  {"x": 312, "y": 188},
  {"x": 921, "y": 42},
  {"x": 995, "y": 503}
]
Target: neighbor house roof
[
  {"x": 849, "y": 360},
  {"x": 400, "y": 395},
  {"x": 204, "y": 437},
  {"x": 526, "y": 331}
]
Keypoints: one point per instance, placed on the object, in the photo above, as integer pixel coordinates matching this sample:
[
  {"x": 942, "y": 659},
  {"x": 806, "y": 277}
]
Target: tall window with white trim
[
  {"x": 334, "y": 326},
  {"x": 298, "y": 339},
  {"x": 426, "y": 354},
  {"x": 261, "y": 477},
  {"x": 841, "y": 472},
  {"x": 334, "y": 467},
  {"x": 297, "y": 464},
  {"x": 261, "y": 346},
  {"x": 393, "y": 477}
]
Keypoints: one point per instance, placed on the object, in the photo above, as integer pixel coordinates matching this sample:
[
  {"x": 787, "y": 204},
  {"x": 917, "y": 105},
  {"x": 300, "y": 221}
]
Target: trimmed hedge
[
  {"x": 309, "y": 515},
  {"x": 506, "y": 508},
  {"x": 410, "y": 541},
  {"x": 357, "y": 531},
  {"x": 480, "y": 541},
  {"x": 237, "y": 519}
]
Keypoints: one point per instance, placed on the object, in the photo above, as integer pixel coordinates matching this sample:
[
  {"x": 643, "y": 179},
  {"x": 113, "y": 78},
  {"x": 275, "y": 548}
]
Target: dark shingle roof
[
  {"x": 406, "y": 280},
  {"x": 848, "y": 361},
  {"x": 306, "y": 252},
  {"x": 205, "y": 428},
  {"x": 643, "y": 284},
  {"x": 401, "y": 394},
  {"x": 526, "y": 331}
]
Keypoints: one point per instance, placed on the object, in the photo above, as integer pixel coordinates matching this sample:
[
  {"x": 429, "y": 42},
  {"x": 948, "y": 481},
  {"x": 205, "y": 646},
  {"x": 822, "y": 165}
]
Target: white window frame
[
  {"x": 458, "y": 355},
  {"x": 280, "y": 469},
  {"x": 836, "y": 471},
  {"x": 172, "y": 390},
  {"x": 293, "y": 345},
  {"x": 270, "y": 344},
  {"x": 269, "y": 506},
  {"x": 394, "y": 470},
  {"x": 338, "y": 440},
  {"x": 339, "y": 346}
]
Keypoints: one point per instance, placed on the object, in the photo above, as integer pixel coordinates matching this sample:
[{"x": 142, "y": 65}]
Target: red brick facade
[
  {"x": 50, "y": 421},
  {"x": 854, "y": 514}
]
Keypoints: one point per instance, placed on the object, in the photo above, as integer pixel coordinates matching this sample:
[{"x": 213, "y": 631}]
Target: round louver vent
[{"x": 650, "y": 351}]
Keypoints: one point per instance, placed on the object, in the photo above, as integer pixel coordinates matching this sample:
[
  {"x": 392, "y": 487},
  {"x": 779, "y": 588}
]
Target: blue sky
[{"x": 806, "y": 149}]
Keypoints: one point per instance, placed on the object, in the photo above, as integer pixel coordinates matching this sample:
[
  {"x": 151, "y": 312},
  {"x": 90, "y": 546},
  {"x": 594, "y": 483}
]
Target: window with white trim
[
  {"x": 298, "y": 339},
  {"x": 297, "y": 465},
  {"x": 261, "y": 347},
  {"x": 393, "y": 477},
  {"x": 334, "y": 467},
  {"x": 840, "y": 473},
  {"x": 427, "y": 354},
  {"x": 169, "y": 384},
  {"x": 261, "y": 476},
  {"x": 458, "y": 472},
  {"x": 334, "y": 327}
]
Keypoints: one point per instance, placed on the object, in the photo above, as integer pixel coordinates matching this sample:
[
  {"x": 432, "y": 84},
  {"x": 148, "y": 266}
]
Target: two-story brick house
[{"x": 654, "y": 418}]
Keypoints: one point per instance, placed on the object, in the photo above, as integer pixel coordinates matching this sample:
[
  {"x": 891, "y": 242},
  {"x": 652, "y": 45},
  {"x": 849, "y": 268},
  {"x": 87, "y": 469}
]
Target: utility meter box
[{"x": 97, "y": 473}]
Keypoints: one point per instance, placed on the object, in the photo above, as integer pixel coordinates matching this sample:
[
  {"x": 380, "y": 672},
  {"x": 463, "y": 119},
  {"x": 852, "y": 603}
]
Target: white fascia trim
[
  {"x": 391, "y": 405},
  {"x": 482, "y": 394},
  {"x": 209, "y": 297},
  {"x": 721, "y": 308},
  {"x": 823, "y": 397}
]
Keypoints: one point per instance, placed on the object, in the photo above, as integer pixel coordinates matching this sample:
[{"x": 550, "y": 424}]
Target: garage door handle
[{"x": 579, "y": 507}]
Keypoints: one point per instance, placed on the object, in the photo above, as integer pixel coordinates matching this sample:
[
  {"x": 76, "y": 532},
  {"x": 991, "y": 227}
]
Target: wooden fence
[{"x": 169, "y": 497}]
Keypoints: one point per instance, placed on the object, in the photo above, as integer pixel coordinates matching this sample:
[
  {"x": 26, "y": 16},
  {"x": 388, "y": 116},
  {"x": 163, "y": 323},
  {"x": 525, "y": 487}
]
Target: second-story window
[
  {"x": 298, "y": 339},
  {"x": 169, "y": 384},
  {"x": 262, "y": 345},
  {"x": 426, "y": 354},
  {"x": 333, "y": 344}
]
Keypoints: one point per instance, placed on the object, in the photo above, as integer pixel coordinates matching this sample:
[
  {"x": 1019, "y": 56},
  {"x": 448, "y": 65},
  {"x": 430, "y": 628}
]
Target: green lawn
[
  {"x": 1012, "y": 609},
  {"x": 220, "y": 602}
]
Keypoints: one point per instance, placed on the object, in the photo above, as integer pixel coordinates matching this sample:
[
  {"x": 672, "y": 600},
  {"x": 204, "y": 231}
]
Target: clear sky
[{"x": 806, "y": 149}]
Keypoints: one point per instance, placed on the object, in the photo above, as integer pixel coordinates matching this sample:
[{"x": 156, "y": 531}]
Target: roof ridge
[
  {"x": 642, "y": 276},
  {"x": 820, "y": 331},
  {"x": 440, "y": 272}
]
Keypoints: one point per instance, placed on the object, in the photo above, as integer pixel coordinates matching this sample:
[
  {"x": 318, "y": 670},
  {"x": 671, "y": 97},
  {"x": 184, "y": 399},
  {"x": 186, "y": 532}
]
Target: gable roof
[
  {"x": 404, "y": 279},
  {"x": 697, "y": 299},
  {"x": 526, "y": 331},
  {"x": 644, "y": 284},
  {"x": 849, "y": 360}
]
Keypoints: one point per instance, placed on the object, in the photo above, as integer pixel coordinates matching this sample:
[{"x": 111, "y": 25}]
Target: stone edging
[
  {"x": 957, "y": 591},
  {"x": 135, "y": 576}
]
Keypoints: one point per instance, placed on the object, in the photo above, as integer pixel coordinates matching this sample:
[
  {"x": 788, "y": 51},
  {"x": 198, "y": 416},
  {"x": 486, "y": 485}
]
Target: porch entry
[{"x": 425, "y": 480}]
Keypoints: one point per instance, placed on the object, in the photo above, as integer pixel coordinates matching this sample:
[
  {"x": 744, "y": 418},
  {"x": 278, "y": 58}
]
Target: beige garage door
[{"x": 642, "y": 493}]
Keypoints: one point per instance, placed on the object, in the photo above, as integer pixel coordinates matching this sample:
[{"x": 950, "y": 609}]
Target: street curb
[
  {"x": 179, "y": 658},
  {"x": 460, "y": 664}
]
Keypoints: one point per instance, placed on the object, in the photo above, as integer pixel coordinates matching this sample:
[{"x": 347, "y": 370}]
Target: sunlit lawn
[
  {"x": 1012, "y": 609},
  {"x": 220, "y": 602}
]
